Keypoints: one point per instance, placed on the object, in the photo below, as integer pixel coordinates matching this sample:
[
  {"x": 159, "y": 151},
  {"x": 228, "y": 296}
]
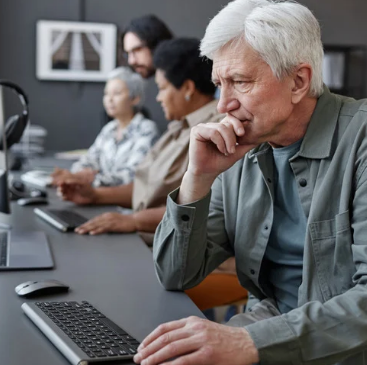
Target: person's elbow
[{"x": 169, "y": 280}]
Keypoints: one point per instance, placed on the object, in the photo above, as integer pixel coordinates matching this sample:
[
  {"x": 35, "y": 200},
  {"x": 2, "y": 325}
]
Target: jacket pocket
[{"x": 332, "y": 248}]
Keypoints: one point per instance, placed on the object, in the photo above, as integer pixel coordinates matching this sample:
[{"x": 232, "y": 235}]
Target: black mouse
[{"x": 40, "y": 287}]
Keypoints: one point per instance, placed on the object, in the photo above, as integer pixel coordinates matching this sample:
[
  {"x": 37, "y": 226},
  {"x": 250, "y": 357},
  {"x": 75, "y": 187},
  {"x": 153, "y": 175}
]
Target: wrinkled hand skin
[
  {"x": 108, "y": 222},
  {"x": 196, "y": 341}
]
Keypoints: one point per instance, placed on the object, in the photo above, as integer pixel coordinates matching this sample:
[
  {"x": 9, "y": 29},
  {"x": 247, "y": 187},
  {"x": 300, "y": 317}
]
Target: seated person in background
[
  {"x": 186, "y": 95},
  {"x": 281, "y": 183},
  {"x": 140, "y": 38},
  {"x": 123, "y": 143}
]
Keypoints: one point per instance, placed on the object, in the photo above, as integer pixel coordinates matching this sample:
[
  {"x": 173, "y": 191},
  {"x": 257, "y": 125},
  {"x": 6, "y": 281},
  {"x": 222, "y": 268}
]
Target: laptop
[{"x": 22, "y": 250}]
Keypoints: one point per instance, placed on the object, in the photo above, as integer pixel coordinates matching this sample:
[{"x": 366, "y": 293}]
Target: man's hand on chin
[{"x": 196, "y": 341}]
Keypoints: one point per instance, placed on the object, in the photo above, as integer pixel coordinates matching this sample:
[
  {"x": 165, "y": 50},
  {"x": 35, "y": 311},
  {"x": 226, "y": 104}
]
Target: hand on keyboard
[{"x": 108, "y": 222}]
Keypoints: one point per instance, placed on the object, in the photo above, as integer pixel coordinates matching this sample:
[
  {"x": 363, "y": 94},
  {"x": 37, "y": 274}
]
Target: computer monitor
[
  {"x": 5, "y": 213},
  {"x": 10, "y": 133},
  {"x": 19, "y": 249}
]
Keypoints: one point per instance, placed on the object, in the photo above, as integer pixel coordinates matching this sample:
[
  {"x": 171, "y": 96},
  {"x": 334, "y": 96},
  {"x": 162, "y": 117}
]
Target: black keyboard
[
  {"x": 63, "y": 219},
  {"x": 3, "y": 248},
  {"x": 81, "y": 332}
]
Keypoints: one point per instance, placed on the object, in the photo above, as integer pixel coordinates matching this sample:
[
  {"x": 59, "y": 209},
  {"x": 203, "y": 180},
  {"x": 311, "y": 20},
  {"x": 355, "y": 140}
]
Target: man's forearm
[
  {"x": 115, "y": 195},
  {"x": 194, "y": 187},
  {"x": 147, "y": 220}
]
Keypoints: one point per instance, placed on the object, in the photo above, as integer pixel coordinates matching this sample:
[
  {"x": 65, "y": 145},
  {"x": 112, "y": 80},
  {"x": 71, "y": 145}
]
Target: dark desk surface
[{"x": 113, "y": 272}]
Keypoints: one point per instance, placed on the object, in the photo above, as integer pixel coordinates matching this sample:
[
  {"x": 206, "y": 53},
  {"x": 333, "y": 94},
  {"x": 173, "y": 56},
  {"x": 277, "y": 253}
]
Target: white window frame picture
[{"x": 86, "y": 51}]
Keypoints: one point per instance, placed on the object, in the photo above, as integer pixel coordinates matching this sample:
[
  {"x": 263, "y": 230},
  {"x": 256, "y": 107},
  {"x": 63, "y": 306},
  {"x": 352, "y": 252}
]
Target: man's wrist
[
  {"x": 250, "y": 348},
  {"x": 194, "y": 187}
]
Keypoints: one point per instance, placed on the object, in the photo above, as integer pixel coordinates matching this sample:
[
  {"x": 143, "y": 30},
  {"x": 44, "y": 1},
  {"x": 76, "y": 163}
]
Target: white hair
[
  {"x": 283, "y": 33},
  {"x": 133, "y": 81}
]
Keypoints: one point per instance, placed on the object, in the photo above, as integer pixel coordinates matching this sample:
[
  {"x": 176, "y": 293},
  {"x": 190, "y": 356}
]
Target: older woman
[
  {"x": 123, "y": 143},
  {"x": 186, "y": 95}
]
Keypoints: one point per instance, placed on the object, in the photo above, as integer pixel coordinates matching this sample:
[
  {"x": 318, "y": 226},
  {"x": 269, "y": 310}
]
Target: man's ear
[{"x": 301, "y": 82}]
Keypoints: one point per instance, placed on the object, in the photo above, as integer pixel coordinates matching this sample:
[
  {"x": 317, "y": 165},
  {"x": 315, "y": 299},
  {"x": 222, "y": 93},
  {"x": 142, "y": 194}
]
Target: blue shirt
[{"x": 284, "y": 252}]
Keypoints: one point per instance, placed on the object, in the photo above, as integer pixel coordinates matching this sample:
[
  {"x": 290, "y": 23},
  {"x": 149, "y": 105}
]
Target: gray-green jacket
[{"x": 330, "y": 324}]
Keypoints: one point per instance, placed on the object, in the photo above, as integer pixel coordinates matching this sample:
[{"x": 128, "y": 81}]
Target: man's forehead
[
  {"x": 131, "y": 40},
  {"x": 228, "y": 66},
  {"x": 235, "y": 60}
]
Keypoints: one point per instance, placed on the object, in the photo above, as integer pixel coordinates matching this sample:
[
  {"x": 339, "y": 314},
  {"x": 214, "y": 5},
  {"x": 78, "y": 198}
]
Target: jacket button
[
  {"x": 185, "y": 218},
  {"x": 252, "y": 271},
  {"x": 303, "y": 182}
]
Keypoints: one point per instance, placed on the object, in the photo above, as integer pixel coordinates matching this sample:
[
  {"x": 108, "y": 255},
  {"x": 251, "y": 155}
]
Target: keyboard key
[
  {"x": 113, "y": 326},
  {"x": 111, "y": 353}
]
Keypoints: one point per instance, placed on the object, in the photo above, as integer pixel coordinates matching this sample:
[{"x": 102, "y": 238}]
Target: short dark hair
[
  {"x": 180, "y": 60},
  {"x": 150, "y": 29}
]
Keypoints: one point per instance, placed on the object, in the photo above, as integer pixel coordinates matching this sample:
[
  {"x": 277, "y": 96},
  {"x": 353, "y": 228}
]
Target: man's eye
[{"x": 238, "y": 82}]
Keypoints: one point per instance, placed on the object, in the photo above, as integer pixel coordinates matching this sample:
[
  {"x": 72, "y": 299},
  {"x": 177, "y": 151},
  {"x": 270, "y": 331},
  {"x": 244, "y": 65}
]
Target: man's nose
[
  {"x": 227, "y": 104},
  {"x": 131, "y": 58}
]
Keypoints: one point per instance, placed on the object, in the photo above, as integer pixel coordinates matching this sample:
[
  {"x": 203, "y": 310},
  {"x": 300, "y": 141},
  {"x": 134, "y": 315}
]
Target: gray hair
[
  {"x": 283, "y": 33},
  {"x": 133, "y": 81}
]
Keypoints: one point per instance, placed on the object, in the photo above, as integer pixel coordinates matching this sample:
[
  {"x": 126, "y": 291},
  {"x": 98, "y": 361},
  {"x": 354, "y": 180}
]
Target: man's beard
[{"x": 148, "y": 72}]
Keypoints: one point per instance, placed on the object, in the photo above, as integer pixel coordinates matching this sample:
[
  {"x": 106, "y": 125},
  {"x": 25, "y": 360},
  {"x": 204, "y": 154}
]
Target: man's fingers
[
  {"x": 222, "y": 136},
  {"x": 197, "y": 357},
  {"x": 235, "y": 123},
  {"x": 161, "y": 342},
  {"x": 214, "y": 136},
  {"x": 228, "y": 136},
  {"x": 171, "y": 350},
  {"x": 160, "y": 330}
]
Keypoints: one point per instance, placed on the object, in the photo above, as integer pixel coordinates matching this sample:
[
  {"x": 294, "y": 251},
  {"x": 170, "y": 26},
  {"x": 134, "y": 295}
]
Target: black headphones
[{"x": 16, "y": 124}]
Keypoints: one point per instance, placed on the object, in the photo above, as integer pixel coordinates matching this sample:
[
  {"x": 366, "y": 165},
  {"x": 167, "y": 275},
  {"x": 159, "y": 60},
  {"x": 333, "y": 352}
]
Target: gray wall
[{"x": 72, "y": 112}]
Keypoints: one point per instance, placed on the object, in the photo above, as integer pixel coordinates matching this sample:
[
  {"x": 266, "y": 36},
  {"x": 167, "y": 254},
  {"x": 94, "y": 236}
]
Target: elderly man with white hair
[{"x": 281, "y": 184}]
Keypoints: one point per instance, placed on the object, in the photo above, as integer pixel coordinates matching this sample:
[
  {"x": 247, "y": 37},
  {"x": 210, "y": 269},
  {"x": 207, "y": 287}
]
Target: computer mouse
[
  {"x": 40, "y": 287},
  {"x": 36, "y": 193},
  {"x": 32, "y": 201}
]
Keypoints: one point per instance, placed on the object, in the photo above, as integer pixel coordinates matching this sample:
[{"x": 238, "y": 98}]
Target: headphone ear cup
[{"x": 14, "y": 129}]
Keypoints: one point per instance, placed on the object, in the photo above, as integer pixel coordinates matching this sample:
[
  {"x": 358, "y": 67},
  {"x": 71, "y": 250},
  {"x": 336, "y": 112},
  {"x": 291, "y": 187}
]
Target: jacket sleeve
[
  {"x": 191, "y": 240},
  {"x": 324, "y": 333}
]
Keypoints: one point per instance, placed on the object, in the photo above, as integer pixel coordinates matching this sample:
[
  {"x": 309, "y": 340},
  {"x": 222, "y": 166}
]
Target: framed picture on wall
[{"x": 75, "y": 51}]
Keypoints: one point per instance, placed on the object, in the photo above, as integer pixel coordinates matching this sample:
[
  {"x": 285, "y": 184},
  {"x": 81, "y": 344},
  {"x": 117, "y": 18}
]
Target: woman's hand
[
  {"x": 77, "y": 192},
  {"x": 108, "y": 222}
]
